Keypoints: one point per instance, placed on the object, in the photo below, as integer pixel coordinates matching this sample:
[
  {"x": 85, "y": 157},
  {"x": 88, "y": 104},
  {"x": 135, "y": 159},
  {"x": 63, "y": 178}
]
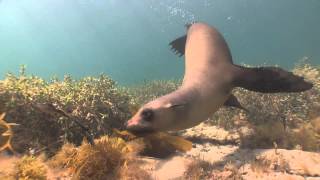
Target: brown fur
[{"x": 208, "y": 80}]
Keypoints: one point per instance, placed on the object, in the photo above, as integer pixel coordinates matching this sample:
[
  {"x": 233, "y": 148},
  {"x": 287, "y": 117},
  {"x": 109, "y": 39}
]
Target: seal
[{"x": 209, "y": 78}]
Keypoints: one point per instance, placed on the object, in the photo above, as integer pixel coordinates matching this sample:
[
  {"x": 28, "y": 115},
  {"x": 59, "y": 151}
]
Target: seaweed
[
  {"x": 101, "y": 105},
  {"x": 198, "y": 169},
  {"x": 97, "y": 102},
  {"x": 30, "y": 168},
  {"x": 156, "y": 144},
  {"x": 109, "y": 158},
  {"x": 5, "y": 134}
]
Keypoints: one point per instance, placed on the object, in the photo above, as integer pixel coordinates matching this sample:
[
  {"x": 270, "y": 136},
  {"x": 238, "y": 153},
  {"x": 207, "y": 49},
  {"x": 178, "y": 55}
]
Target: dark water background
[{"x": 128, "y": 39}]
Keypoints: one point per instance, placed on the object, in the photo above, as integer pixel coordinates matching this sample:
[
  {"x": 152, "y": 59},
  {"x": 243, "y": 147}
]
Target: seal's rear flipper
[
  {"x": 269, "y": 80},
  {"x": 232, "y": 101}
]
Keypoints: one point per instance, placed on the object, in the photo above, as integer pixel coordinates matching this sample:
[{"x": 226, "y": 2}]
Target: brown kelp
[
  {"x": 24, "y": 168},
  {"x": 109, "y": 158},
  {"x": 156, "y": 144},
  {"x": 114, "y": 157},
  {"x": 5, "y": 134},
  {"x": 30, "y": 168}
]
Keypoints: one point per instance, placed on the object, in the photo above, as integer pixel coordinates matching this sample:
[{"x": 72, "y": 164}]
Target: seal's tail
[{"x": 269, "y": 80}]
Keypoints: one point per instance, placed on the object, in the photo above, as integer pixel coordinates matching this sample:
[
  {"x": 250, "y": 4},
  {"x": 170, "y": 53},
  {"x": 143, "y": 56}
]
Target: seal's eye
[{"x": 147, "y": 114}]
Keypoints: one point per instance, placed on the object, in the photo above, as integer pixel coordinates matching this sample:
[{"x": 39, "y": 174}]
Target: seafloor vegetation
[{"x": 39, "y": 108}]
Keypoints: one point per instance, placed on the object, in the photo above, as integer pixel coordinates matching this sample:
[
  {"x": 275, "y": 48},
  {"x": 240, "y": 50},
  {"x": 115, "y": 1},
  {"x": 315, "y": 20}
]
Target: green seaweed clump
[{"x": 97, "y": 102}]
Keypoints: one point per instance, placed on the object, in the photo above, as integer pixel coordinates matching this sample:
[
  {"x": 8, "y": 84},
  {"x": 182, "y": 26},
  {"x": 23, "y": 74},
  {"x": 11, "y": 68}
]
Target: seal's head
[{"x": 155, "y": 116}]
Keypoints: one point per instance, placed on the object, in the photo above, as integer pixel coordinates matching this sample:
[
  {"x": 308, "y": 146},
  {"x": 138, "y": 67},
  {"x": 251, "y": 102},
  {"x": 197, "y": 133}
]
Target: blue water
[{"x": 128, "y": 39}]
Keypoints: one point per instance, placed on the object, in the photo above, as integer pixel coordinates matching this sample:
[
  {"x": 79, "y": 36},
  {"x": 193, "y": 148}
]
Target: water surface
[{"x": 128, "y": 39}]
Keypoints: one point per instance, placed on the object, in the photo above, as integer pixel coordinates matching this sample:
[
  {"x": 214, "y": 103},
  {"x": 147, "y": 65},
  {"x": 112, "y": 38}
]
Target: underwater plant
[
  {"x": 109, "y": 158},
  {"x": 5, "y": 134},
  {"x": 30, "y": 168},
  {"x": 156, "y": 144},
  {"x": 101, "y": 105},
  {"x": 98, "y": 103},
  {"x": 198, "y": 169}
]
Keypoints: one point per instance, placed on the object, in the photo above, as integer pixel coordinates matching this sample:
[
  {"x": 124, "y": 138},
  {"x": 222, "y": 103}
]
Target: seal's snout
[
  {"x": 132, "y": 123},
  {"x": 137, "y": 125}
]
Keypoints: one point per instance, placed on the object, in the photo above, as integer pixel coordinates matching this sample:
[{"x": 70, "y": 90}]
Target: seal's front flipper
[
  {"x": 232, "y": 101},
  {"x": 178, "y": 45},
  {"x": 269, "y": 80}
]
